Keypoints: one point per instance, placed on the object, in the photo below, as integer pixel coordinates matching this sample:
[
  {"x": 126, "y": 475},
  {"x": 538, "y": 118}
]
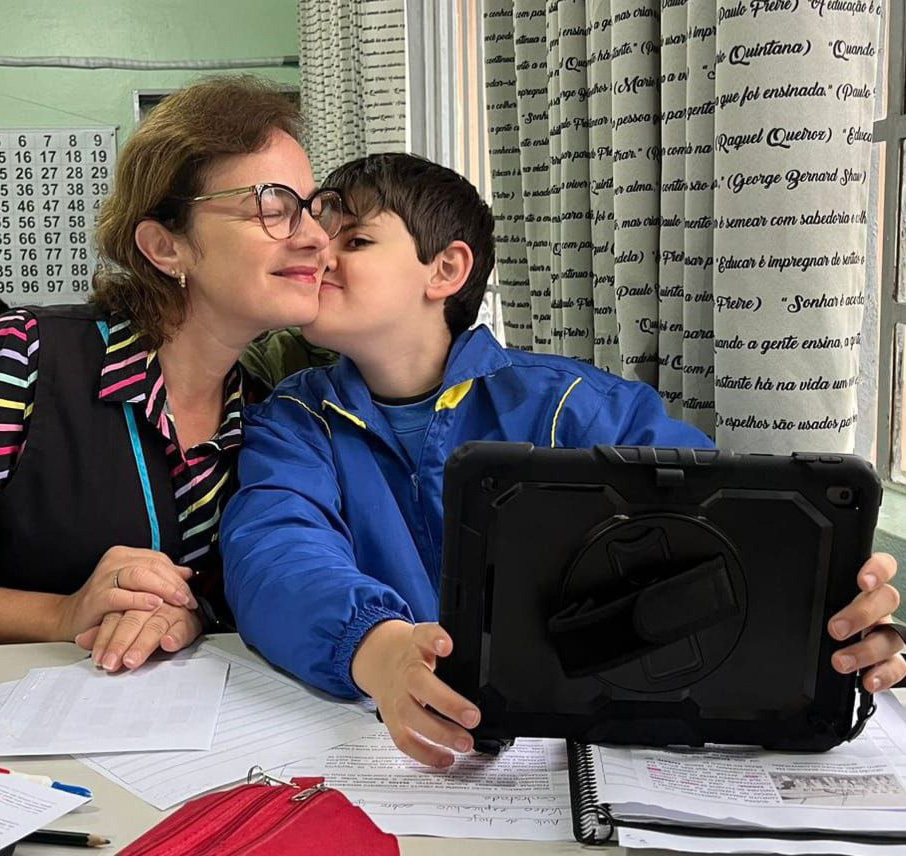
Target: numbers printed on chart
[{"x": 52, "y": 183}]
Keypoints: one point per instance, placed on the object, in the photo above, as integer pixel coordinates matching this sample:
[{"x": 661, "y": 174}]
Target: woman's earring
[{"x": 182, "y": 280}]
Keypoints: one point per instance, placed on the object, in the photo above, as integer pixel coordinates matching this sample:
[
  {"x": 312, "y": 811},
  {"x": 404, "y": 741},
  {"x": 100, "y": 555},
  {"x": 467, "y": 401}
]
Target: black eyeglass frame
[{"x": 304, "y": 204}]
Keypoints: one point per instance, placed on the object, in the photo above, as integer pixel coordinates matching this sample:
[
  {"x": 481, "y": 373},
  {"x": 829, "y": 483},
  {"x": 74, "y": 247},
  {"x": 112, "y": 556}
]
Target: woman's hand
[
  {"x": 129, "y": 638},
  {"x": 395, "y": 665},
  {"x": 126, "y": 578},
  {"x": 878, "y": 653}
]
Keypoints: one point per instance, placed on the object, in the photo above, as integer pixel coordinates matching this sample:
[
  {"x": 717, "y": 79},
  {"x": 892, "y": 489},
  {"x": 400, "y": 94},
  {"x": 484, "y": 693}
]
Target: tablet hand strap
[{"x": 599, "y": 634}]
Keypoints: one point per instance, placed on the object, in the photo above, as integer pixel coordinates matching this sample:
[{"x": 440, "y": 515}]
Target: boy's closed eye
[{"x": 356, "y": 242}]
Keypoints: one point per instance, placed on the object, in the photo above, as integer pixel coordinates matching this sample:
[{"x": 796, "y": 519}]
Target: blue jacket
[{"x": 332, "y": 532}]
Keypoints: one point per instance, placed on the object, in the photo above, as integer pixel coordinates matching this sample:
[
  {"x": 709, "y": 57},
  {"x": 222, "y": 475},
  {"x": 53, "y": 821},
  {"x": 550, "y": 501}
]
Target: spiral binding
[{"x": 592, "y": 821}]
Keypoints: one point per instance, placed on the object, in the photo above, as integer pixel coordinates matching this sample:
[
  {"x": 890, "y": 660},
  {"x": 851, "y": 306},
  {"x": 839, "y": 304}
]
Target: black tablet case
[{"x": 653, "y": 596}]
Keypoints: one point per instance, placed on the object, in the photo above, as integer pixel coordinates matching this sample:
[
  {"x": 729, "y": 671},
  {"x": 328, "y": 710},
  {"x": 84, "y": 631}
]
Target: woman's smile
[{"x": 302, "y": 274}]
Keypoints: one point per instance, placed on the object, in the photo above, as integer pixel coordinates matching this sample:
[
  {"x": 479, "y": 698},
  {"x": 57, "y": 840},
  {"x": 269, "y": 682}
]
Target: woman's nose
[{"x": 310, "y": 234}]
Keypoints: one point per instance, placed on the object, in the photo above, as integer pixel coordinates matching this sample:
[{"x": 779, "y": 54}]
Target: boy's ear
[
  {"x": 160, "y": 246},
  {"x": 452, "y": 267}
]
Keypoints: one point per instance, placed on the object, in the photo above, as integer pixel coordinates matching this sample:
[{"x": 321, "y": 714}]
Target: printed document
[
  {"x": 26, "y": 806},
  {"x": 643, "y": 838},
  {"x": 78, "y": 708},
  {"x": 265, "y": 719},
  {"x": 856, "y": 788},
  {"x": 522, "y": 793}
]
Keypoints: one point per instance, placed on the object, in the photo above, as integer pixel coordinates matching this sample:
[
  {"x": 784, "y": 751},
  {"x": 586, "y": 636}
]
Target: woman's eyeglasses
[{"x": 280, "y": 208}]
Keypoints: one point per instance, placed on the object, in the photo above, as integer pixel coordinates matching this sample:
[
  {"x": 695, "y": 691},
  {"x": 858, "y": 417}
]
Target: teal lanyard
[{"x": 139, "y": 456}]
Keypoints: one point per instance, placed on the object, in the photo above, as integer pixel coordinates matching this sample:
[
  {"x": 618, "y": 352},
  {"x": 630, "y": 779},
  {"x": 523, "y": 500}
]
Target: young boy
[{"x": 332, "y": 545}]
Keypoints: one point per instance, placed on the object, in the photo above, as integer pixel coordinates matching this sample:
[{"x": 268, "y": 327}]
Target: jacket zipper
[
  {"x": 414, "y": 482},
  {"x": 431, "y": 564}
]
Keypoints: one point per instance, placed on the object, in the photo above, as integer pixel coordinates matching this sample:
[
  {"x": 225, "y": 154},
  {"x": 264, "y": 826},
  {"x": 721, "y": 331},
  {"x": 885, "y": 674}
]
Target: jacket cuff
[{"x": 355, "y": 632}]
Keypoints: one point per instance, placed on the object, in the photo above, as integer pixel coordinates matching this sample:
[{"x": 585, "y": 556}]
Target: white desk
[{"x": 123, "y": 817}]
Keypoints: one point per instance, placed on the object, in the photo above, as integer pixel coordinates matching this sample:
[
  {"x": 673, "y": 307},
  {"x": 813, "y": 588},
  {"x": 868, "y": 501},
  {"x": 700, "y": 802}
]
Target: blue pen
[{"x": 78, "y": 790}]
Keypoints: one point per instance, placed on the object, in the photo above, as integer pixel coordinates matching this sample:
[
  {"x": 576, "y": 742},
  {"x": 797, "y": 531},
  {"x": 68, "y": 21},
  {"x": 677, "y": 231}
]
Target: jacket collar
[{"x": 474, "y": 354}]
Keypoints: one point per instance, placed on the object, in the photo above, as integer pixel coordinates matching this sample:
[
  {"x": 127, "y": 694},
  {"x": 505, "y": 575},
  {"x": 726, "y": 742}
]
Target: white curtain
[
  {"x": 352, "y": 65},
  {"x": 680, "y": 189}
]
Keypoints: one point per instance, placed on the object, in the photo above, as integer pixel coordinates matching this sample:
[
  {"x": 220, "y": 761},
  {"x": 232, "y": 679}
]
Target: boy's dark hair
[{"x": 437, "y": 205}]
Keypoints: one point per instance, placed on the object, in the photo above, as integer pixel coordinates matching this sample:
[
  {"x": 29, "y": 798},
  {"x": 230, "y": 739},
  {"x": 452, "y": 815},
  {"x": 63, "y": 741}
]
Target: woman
[{"x": 120, "y": 421}]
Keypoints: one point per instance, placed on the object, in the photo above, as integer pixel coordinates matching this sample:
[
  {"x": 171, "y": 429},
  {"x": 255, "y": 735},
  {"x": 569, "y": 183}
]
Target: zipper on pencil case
[
  {"x": 195, "y": 824},
  {"x": 257, "y": 812},
  {"x": 165, "y": 834},
  {"x": 208, "y": 832},
  {"x": 273, "y": 822}
]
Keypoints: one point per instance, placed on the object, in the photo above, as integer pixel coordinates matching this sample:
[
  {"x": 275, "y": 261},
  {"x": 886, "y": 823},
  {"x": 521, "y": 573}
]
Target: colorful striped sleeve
[{"x": 18, "y": 372}]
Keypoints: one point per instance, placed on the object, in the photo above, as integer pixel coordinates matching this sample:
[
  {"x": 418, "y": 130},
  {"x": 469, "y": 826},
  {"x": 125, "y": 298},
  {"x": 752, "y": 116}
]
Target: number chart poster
[{"x": 52, "y": 183}]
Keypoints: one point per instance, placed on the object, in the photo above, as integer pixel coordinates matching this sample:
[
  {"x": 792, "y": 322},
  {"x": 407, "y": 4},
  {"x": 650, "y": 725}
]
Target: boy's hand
[
  {"x": 878, "y": 653},
  {"x": 395, "y": 664}
]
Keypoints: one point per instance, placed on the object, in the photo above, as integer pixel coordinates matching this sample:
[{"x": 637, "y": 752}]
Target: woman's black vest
[{"x": 76, "y": 490}]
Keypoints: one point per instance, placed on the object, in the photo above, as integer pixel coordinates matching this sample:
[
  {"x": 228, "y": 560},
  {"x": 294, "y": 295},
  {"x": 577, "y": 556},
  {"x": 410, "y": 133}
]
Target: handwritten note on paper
[
  {"x": 265, "y": 719},
  {"x": 522, "y": 793},
  {"x": 78, "y": 708},
  {"x": 26, "y": 806}
]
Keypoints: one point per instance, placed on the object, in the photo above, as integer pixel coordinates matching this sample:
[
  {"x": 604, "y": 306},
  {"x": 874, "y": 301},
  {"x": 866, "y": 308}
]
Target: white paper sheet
[
  {"x": 854, "y": 786},
  {"x": 78, "y": 708},
  {"x": 522, "y": 793},
  {"x": 633, "y": 838},
  {"x": 26, "y": 806},
  {"x": 266, "y": 719}
]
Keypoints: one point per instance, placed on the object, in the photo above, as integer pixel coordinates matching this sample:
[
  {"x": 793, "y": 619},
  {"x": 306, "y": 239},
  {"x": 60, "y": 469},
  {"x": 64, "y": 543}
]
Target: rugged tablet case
[{"x": 653, "y": 596}]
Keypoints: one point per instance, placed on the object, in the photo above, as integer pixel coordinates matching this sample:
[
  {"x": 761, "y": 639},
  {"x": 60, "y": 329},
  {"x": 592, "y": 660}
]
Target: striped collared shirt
[{"x": 201, "y": 475}]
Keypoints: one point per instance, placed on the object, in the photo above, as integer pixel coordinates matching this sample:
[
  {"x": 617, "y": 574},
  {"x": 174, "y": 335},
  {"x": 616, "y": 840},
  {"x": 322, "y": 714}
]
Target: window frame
[
  {"x": 891, "y": 130},
  {"x": 445, "y": 92},
  {"x": 446, "y": 119}
]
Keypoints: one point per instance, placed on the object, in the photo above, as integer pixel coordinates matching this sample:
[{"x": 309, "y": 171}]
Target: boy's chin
[{"x": 320, "y": 338}]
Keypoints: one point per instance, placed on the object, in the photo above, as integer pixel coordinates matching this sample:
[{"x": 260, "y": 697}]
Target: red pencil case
[{"x": 274, "y": 818}]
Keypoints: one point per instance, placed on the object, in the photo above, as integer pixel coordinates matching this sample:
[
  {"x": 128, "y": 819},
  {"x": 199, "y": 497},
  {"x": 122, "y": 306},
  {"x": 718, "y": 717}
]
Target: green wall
[{"x": 128, "y": 29}]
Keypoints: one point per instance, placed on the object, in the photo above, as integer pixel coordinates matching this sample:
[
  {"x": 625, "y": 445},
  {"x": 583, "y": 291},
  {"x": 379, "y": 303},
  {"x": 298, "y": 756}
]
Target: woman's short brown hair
[{"x": 163, "y": 163}]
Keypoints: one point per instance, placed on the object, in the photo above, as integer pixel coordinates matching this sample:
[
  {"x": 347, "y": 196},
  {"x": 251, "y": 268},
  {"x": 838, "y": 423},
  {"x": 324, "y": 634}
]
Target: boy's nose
[{"x": 329, "y": 255}]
